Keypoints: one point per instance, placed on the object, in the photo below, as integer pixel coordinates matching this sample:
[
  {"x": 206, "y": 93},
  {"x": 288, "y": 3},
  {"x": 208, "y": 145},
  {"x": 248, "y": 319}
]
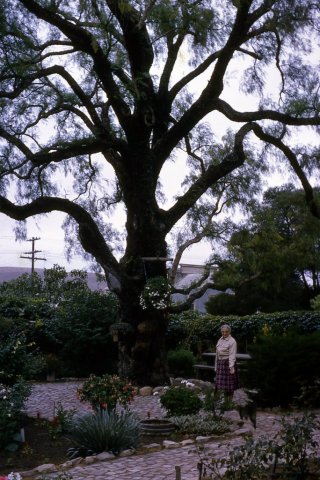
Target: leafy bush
[
  {"x": 81, "y": 326},
  {"x": 180, "y": 362},
  {"x": 61, "y": 422},
  {"x": 192, "y": 330},
  {"x": 104, "y": 431},
  {"x": 18, "y": 358},
  {"x": 309, "y": 396},
  {"x": 292, "y": 448},
  {"x": 201, "y": 424},
  {"x": 11, "y": 403},
  {"x": 180, "y": 401},
  {"x": 315, "y": 303},
  {"x": 217, "y": 402},
  {"x": 296, "y": 444},
  {"x": 280, "y": 365},
  {"x": 104, "y": 392},
  {"x": 73, "y": 328},
  {"x": 249, "y": 461}
]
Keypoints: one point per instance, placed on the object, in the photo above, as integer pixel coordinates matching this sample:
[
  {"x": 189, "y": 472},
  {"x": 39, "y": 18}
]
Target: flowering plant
[
  {"x": 12, "y": 476},
  {"x": 104, "y": 392},
  {"x": 11, "y": 403},
  {"x": 156, "y": 294}
]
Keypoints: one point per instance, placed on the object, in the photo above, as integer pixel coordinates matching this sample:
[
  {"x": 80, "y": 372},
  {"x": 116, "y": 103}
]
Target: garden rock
[
  {"x": 201, "y": 384},
  {"x": 159, "y": 390},
  {"x": 71, "y": 463},
  {"x": 169, "y": 444},
  {"x": 88, "y": 460},
  {"x": 46, "y": 467},
  {"x": 127, "y": 453},
  {"x": 104, "y": 456},
  {"x": 202, "y": 439},
  {"x": 152, "y": 447},
  {"x": 243, "y": 432},
  {"x": 145, "y": 391},
  {"x": 184, "y": 443}
]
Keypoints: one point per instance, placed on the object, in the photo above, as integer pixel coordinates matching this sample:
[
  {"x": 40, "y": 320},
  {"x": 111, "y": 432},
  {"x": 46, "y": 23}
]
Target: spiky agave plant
[{"x": 104, "y": 431}]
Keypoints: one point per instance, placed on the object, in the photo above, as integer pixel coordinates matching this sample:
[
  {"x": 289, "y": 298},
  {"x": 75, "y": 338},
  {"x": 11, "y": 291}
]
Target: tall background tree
[
  {"x": 96, "y": 99},
  {"x": 272, "y": 261}
]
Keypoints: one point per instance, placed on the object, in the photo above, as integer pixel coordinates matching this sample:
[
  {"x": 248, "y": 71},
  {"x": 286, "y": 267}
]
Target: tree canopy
[
  {"x": 272, "y": 261},
  {"x": 97, "y": 97}
]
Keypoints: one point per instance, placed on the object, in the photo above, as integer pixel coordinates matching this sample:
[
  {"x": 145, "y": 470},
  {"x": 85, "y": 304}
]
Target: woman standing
[{"x": 227, "y": 378}]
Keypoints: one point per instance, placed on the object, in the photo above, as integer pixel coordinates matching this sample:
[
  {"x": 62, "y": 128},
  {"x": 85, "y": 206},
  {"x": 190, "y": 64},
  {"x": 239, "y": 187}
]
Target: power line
[{"x": 33, "y": 252}]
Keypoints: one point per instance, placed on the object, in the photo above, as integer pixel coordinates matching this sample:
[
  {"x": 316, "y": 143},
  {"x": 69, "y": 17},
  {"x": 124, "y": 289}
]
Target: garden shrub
[
  {"x": 81, "y": 326},
  {"x": 281, "y": 365},
  {"x": 249, "y": 461},
  {"x": 180, "y": 401},
  {"x": 104, "y": 431},
  {"x": 292, "y": 449},
  {"x": 309, "y": 396},
  {"x": 180, "y": 363},
  {"x": 297, "y": 444},
  {"x": 199, "y": 332},
  {"x": 216, "y": 402},
  {"x": 75, "y": 327},
  {"x": 12, "y": 399},
  {"x": 61, "y": 422},
  {"x": 103, "y": 393},
  {"x": 201, "y": 424},
  {"x": 18, "y": 358}
]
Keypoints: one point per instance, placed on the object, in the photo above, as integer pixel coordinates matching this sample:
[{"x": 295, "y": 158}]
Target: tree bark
[{"x": 142, "y": 352}]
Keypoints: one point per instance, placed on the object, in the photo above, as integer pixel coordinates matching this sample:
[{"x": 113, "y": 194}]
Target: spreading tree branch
[{"x": 90, "y": 236}]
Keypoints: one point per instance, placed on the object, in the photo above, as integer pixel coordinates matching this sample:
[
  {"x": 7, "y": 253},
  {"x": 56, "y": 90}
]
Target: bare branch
[
  {"x": 180, "y": 307},
  {"x": 89, "y": 234},
  {"x": 277, "y": 142},
  {"x": 213, "y": 173},
  {"x": 255, "y": 55},
  {"x": 194, "y": 74},
  {"x": 237, "y": 116}
]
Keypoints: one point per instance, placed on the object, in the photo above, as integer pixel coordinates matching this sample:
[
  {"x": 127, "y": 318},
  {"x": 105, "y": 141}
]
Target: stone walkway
[{"x": 156, "y": 465}]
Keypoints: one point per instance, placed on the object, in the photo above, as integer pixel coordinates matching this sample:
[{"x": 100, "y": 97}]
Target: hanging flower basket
[{"x": 156, "y": 294}]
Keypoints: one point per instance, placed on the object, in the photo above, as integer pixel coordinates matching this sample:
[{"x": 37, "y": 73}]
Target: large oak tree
[{"x": 91, "y": 83}]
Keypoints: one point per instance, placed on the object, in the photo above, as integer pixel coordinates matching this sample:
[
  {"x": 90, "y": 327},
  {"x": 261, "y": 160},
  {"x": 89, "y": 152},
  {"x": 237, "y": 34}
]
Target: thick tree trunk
[
  {"x": 142, "y": 352},
  {"x": 142, "y": 355}
]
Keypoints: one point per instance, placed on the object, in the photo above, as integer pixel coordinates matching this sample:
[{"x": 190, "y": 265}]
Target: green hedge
[
  {"x": 282, "y": 367},
  {"x": 200, "y": 332},
  {"x": 74, "y": 333}
]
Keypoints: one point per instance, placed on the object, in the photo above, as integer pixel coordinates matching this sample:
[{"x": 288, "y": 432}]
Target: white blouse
[{"x": 226, "y": 348}]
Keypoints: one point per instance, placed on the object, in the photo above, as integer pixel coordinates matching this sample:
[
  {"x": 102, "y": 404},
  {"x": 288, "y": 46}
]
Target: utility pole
[{"x": 32, "y": 253}]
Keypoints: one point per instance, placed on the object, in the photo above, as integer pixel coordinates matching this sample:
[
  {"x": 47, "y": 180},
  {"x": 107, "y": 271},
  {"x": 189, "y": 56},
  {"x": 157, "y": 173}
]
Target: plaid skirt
[{"x": 226, "y": 381}]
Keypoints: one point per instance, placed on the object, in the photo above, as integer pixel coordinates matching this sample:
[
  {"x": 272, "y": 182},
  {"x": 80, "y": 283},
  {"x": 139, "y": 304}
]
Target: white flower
[
  {"x": 189, "y": 384},
  {"x": 14, "y": 476}
]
